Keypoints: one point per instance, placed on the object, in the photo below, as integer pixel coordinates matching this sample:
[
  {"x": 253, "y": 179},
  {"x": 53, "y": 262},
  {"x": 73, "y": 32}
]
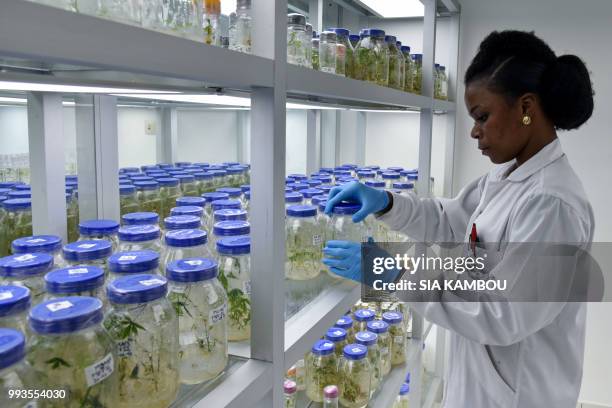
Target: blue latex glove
[
  {"x": 344, "y": 259},
  {"x": 371, "y": 199}
]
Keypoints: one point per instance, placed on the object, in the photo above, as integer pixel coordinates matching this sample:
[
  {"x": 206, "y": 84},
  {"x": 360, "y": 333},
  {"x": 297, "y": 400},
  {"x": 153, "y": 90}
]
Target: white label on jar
[
  {"x": 25, "y": 257},
  {"x": 398, "y": 339},
  {"x": 246, "y": 287},
  {"x": 317, "y": 240},
  {"x": 150, "y": 282},
  {"x": 77, "y": 271},
  {"x": 217, "y": 315},
  {"x": 62, "y": 304},
  {"x": 194, "y": 262},
  {"x": 99, "y": 371},
  {"x": 127, "y": 257},
  {"x": 86, "y": 246},
  {"x": 124, "y": 348},
  {"x": 35, "y": 240},
  {"x": 6, "y": 295}
]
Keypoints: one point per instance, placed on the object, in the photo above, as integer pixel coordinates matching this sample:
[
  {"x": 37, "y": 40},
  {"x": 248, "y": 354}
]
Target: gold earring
[{"x": 526, "y": 120}]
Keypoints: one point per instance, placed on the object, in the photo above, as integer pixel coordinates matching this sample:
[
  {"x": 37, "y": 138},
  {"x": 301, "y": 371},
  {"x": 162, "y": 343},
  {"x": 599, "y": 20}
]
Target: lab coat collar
[{"x": 541, "y": 159}]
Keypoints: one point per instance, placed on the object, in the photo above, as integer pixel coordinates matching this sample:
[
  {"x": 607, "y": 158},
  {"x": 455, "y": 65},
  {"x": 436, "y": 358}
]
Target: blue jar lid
[
  {"x": 378, "y": 326},
  {"x": 87, "y": 250},
  {"x": 98, "y": 227},
  {"x": 396, "y": 169},
  {"x": 231, "y": 191},
  {"x": 328, "y": 170},
  {"x": 345, "y": 322},
  {"x": 126, "y": 189},
  {"x": 214, "y": 196},
  {"x": 65, "y": 315},
  {"x": 200, "y": 175},
  {"x": 133, "y": 261},
  {"x": 340, "y": 31},
  {"x": 335, "y": 334},
  {"x": 298, "y": 186},
  {"x": 342, "y": 172},
  {"x": 142, "y": 178},
  {"x": 390, "y": 175},
  {"x": 140, "y": 218},
  {"x": 316, "y": 200},
  {"x": 12, "y": 347},
  {"x": 223, "y": 204},
  {"x": 247, "y": 194},
  {"x": 230, "y": 214},
  {"x": 22, "y": 187},
  {"x": 323, "y": 348},
  {"x": 323, "y": 178},
  {"x": 168, "y": 181},
  {"x": 311, "y": 192},
  {"x": 390, "y": 39},
  {"x": 392, "y": 317},
  {"x": 245, "y": 187},
  {"x": 4, "y": 191},
  {"x": 412, "y": 176},
  {"x": 183, "y": 164},
  {"x": 139, "y": 233},
  {"x": 404, "y": 389},
  {"x": 298, "y": 176},
  {"x": 192, "y": 270},
  {"x": 187, "y": 210},
  {"x": 184, "y": 178},
  {"x": 355, "y": 351},
  {"x": 399, "y": 44},
  {"x": 164, "y": 165},
  {"x": 409, "y": 171},
  {"x": 202, "y": 164},
  {"x": 218, "y": 173},
  {"x": 234, "y": 170},
  {"x": 326, "y": 188},
  {"x": 129, "y": 170},
  {"x": 293, "y": 197},
  {"x": 186, "y": 238},
  {"x": 346, "y": 208},
  {"x": 74, "y": 279},
  {"x": 13, "y": 299},
  {"x": 37, "y": 243},
  {"x": 139, "y": 288},
  {"x": 322, "y": 206},
  {"x": 146, "y": 185},
  {"x": 417, "y": 57},
  {"x": 375, "y": 183},
  {"x": 366, "y": 338},
  {"x": 231, "y": 228},
  {"x": 190, "y": 201},
  {"x": 177, "y": 222},
  {"x": 9, "y": 184},
  {"x": 240, "y": 245},
  {"x": 403, "y": 186},
  {"x": 2, "y": 199},
  {"x": 149, "y": 167},
  {"x": 23, "y": 265},
  {"x": 366, "y": 173},
  {"x": 405, "y": 48},
  {"x": 350, "y": 165},
  {"x": 364, "y": 315},
  {"x": 15, "y": 194},
  {"x": 301, "y": 211},
  {"x": 231, "y": 163},
  {"x": 373, "y": 167},
  {"x": 354, "y": 37}
]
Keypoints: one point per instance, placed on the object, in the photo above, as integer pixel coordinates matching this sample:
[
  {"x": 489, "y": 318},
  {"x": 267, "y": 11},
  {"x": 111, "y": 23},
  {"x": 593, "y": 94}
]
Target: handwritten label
[
  {"x": 124, "y": 348},
  {"x": 317, "y": 240},
  {"x": 217, "y": 315},
  {"x": 246, "y": 287},
  {"x": 194, "y": 262},
  {"x": 99, "y": 371},
  {"x": 25, "y": 257},
  {"x": 35, "y": 240}
]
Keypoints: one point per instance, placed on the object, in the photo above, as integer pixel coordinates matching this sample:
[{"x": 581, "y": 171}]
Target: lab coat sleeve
[
  {"x": 541, "y": 219},
  {"x": 434, "y": 219}
]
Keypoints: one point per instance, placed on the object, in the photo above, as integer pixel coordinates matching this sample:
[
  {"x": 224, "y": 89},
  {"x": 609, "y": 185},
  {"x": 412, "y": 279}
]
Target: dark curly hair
[{"x": 513, "y": 63}]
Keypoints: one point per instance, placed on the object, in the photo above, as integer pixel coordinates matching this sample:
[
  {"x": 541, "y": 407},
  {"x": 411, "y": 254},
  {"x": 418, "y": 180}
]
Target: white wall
[
  {"x": 135, "y": 147},
  {"x": 296, "y": 142},
  {"x": 13, "y": 129},
  {"x": 568, "y": 26}
]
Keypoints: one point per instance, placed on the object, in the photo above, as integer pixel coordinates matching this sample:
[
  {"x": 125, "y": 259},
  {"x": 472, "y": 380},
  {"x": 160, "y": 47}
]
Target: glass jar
[
  {"x": 200, "y": 303},
  {"x": 69, "y": 5},
  {"x": 183, "y": 18},
  {"x": 443, "y": 83},
  {"x": 144, "y": 327},
  {"x": 403, "y": 399},
  {"x": 187, "y": 243},
  {"x": 240, "y": 31},
  {"x": 381, "y": 328},
  {"x": 190, "y": 201},
  {"x": 140, "y": 218},
  {"x": 26, "y": 270},
  {"x": 211, "y": 23},
  {"x": 83, "y": 280},
  {"x": 153, "y": 18},
  {"x": 169, "y": 191},
  {"x": 93, "y": 230},
  {"x": 370, "y": 340},
  {"x": 342, "y": 226},
  {"x": 15, "y": 373},
  {"x": 327, "y": 52},
  {"x": 219, "y": 177},
  {"x": 437, "y": 85},
  {"x": 230, "y": 214},
  {"x": 179, "y": 222},
  {"x": 234, "y": 177},
  {"x": 235, "y": 276},
  {"x": 396, "y": 63},
  {"x": 308, "y": 193},
  {"x": 148, "y": 196},
  {"x": 365, "y": 175},
  {"x": 306, "y": 41},
  {"x": 314, "y": 53},
  {"x": 70, "y": 350},
  {"x": 355, "y": 377},
  {"x": 128, "y": 202},
  {"x": 337, "y": 336},
  {"x": 17, "y": 222},
  {"x": 95, "y": 252},
  {"x": 224, "y": 229},
  {"x": 139, "y": 237},
  {"x": 296, "y": 34},
  {"x": 247, "y": 201},
  {"x": 346, "y": 323},
  {"x": 403, "y": 187},
  {"x": 205, "y": 182},
  {"x": 188, "y": 185},
  {"x": 304, "y": 243},
  {"x": 208, "y": 210},
  {"x": 346, "y": 67},
  {"x": 234, "y": 194},
  {"x": 190, "y": 210},
  {"x": 131, "y": 262},
  {"x": 330, "y": 396},
  {"x": 398, "y": 337},
  {"x": 321, "y": 369},
  {"x": 290, "y": 391},
  {"x": 390, "y": 177},
  {"x": 14, "y": 306},
  {"x": 408, "y": 68},
  {"x": 48, "y": 244},
  {"x": 362, "y": 317},
  {"x": 372, "y": 57},
  {"x": 417, "y": 73}
]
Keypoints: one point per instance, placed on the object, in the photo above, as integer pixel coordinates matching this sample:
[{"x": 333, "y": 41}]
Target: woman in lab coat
[{"x": 503, "y": 355}]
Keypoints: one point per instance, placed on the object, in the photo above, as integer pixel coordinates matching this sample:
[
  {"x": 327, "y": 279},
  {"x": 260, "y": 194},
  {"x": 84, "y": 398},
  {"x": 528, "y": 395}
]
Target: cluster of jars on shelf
[
  {"x": 370, "y": 56},
  {"x": 199, "y": 20},
  {"x": 350, "y": 362},
  {"x": 125, "y": 314}
]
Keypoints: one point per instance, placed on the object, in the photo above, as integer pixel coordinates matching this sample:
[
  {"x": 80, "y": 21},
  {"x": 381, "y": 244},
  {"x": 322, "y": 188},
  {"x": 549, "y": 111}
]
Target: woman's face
[{"x": 498, "y": 125}]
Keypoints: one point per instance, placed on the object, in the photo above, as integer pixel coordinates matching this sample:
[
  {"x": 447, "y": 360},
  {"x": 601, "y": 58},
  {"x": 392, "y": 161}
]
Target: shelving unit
[{"x": 68, "y": 48}]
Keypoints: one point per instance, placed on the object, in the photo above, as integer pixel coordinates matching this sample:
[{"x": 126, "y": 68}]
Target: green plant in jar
[
  {"x": 17, "y": 221},
  {"x": 148, "y": 196},
  {"x": 349, "y": 62},
  {"x": 396, "y": 63},
  {"x": 144, "y": 327},
  {"x": 304, "y": 243},
  {"x": 417, "y": 73},
  {"x": 373, "y": 64},
  {"x": 169, "y": 191},
  {"x": 398, "y": 337},
  {"x": 384, "y": 344},
  {"x": 200, "y": 303},
  {"x": 321, "y": 369},
  {"x": 409, "y": 69},
  {"x": 69, "y": 350},
  {"x": 296, "y": 34},
  {"x": 355, "y": 377},
  {"x": 128, "y": 203},
  {"x": 315, "y": 54},
  {"x": 370, "y": 340}
]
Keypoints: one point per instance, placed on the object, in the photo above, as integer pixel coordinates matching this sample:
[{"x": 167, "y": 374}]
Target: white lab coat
[{"x": 508, "y": 355}]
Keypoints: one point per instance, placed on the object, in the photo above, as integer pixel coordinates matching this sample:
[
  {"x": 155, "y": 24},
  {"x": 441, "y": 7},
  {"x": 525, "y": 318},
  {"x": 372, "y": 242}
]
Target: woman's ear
[{"x": 528, "y": 103}]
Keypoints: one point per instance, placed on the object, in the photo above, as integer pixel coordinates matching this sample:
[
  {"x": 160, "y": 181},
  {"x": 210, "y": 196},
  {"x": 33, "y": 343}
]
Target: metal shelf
[{"x": 444, "y": 106}]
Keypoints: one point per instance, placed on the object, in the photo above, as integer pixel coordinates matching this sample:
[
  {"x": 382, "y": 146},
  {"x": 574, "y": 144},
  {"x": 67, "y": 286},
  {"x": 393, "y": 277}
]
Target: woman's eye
[{"x": 482, "y": 118}]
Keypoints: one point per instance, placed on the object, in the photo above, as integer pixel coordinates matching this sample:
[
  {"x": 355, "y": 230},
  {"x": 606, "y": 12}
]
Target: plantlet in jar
[{"x": 56, "y": 362}]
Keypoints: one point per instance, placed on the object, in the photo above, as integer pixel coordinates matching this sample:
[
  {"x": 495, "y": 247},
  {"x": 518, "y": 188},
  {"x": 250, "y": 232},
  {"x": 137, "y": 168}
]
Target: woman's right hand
[{"x": 371, "y": 199}]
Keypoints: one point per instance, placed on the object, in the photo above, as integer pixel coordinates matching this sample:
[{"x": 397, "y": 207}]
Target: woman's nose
[{"x": 476, "y": 132}]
